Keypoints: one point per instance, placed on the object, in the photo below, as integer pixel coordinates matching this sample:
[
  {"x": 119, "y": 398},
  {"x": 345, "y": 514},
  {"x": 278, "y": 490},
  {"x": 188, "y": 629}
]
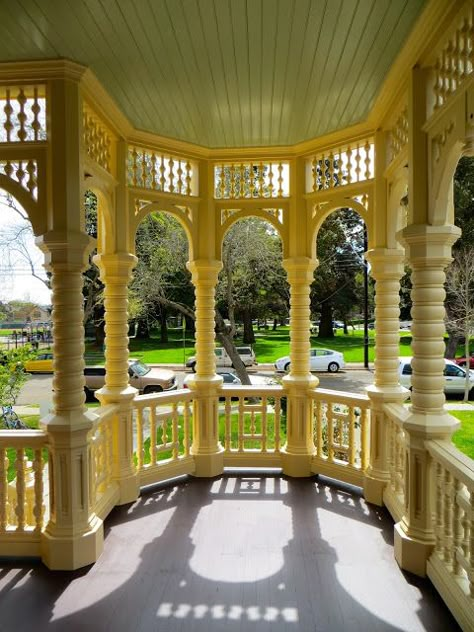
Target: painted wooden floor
[{"x": 252, "y": 552}]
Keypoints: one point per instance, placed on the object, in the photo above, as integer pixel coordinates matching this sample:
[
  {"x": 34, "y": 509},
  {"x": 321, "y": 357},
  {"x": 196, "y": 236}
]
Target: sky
[{"x": 16, "y": 281}]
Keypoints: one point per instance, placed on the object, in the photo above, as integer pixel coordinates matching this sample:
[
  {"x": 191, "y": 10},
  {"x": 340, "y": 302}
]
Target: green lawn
[
  {"x": 269, "y": 345},
  {"x": 464, "y": 437}
]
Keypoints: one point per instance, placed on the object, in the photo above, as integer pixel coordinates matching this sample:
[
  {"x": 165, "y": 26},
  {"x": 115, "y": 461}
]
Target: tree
[
  {"x": 15, "y": 240},
  {"x": 338, "y": 283},
  {"x": 253, "y": 281},
  {"x": 12, "y": 374},
  {"x": 460, "y": 300},
  {"x": 464, "y": 218}
]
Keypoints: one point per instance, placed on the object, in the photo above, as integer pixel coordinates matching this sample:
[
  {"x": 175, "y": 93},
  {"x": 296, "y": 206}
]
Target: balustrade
[
  {"x": 159, "y": 171},
  {"x": 22, "y": 114},
  {"x": 341, "y": 434},
  {"x": 342, "y": 166},
  {"x": 252, "y": 426},
  {"x": 101, "y": 461},
  {"x": 162, "y": 435},
  {"x": 97, "y": 138},
  {"x": 23, "y": 490},
  {"x": 455, "y": 61},
  {"x": 394, "y": 496},
  {"x": 451, "y": 565},
  {"x": 251, "y": 180}
]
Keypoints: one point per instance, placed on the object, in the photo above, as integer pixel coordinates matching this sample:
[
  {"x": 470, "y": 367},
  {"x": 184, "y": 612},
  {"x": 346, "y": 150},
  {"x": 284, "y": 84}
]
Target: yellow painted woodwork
[{"x": 61, "y": 132}]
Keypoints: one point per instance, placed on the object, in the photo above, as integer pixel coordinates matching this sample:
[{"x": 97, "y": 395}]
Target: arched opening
[
  {"x": 161, "y": 294},
  {"x": 342, "y": 293},
  {"x": 25, "y": 306},
  {"x": 252, "y": 295},
  {"x": 459, "y": 285}
]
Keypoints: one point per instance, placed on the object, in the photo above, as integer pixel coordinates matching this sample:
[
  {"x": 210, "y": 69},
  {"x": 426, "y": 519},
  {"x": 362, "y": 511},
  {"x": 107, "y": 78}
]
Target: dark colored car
[{"x": 462, "y": 361}]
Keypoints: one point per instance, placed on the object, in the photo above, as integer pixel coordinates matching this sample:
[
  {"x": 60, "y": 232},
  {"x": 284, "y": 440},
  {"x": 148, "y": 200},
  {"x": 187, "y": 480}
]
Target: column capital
[
  {"x": 300, "y": 269},
  {"x": 386, "y": 263},
  {"x": 204, "y": 269},
  {"x": 69, "y": 249},
  {"x": 117, "y": 265},
  {"x": 431, "y": 243}
]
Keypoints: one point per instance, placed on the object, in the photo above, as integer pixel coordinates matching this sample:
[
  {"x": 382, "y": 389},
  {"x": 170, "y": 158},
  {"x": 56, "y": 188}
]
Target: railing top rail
[
  {"x": 180, "y": 395},
  {"x": 460, "y": 465},
  {"x": 327, "y": 395},
  {"x": 254, "y": 390},
  {"x": 397, "y": 413},
  {"x": 105, "y": 412},
  {"x": 23, "y": 438}
]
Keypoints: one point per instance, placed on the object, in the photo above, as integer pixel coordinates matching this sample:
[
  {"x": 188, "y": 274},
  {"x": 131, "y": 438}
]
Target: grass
[
  {"x": 269, "y": 345},
  {"x": 463, "y": 438}
]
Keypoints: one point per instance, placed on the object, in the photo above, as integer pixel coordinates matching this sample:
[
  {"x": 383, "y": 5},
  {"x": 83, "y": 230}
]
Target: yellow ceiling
[{"x": 222, "y": 73}]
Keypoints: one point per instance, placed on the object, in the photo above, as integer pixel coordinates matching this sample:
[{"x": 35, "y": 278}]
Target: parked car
[
  {"x": 227, "y": 376},
  {"x": 455, "y": 376},
  {"x": 42, "y": 363},
  {"x": 142, "y": 377},
  {"x": 320, "y": 360},
  {"x": 462, "y": 361},
  {"x": 223, "y": 359}
]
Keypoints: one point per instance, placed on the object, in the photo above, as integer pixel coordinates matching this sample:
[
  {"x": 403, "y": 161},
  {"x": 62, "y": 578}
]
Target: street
[{"x": 39, "y": 387}]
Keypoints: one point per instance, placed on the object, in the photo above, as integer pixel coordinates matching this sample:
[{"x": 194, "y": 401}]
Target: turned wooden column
[
  {"x": 299, "y": 447},
  {"x": 206, "y": 448}
]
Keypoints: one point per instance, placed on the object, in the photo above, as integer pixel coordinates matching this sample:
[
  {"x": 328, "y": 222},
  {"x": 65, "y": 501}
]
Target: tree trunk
[
  {"x": 451, "y": 345},
  {"x": 142, "y": 330},
  {"x": 325, "y": 324},
  {"x": 249, "y": 336},
  {"x": 163, "y": 325},
  {"x": 275, "y": 324},
  {"x": 190, "y": 327}
]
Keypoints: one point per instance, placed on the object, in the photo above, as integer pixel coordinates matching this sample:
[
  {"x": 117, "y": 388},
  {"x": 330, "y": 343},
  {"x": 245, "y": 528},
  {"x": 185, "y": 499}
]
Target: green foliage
[
  {"x": 463, "y": 438},
  {"x": 253, "y": 281},
  {"x": 12, "y": 374},
  {"x": 337, "y": 290}
]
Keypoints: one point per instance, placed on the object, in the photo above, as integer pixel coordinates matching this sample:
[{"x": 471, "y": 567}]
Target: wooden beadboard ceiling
[{"x": 222, "y": 73}]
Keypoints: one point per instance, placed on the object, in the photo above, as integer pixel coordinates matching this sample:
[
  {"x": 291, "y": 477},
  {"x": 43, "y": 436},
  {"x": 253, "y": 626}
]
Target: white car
[
  {"x": 320, "y": 360},
  {"x": 454, "y": 376}
]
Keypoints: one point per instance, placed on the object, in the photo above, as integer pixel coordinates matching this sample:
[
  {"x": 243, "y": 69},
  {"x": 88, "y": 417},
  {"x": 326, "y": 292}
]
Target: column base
[
  {"x": 373, "y": 490},
  {"x": 296, "y": 465},
  {"x": 70, "y": 552},
  {"x": 209, "y": 465},
  {"x": 411, "y": 554}
]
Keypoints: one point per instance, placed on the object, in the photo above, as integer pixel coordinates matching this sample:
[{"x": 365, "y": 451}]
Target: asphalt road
[{"x": 39, "y": 387}]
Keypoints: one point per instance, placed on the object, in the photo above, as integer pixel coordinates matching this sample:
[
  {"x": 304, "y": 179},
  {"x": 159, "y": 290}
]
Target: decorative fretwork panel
[
  {"x": 399, "y": 135},
  {"x": 158, "y": 171},
  {"x": 22, "y": 114},
  {"x": 248, "y": 180},
  {"x": 455, "y": 62},
  {"x": 339, "y": 167},
  {"x": 97, "y": 138},
  {"x": 25, "y": 172}
]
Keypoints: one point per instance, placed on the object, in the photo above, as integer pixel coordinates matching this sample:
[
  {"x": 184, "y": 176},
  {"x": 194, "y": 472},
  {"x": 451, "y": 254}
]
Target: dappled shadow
[{"x": 248, "y": 552}]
